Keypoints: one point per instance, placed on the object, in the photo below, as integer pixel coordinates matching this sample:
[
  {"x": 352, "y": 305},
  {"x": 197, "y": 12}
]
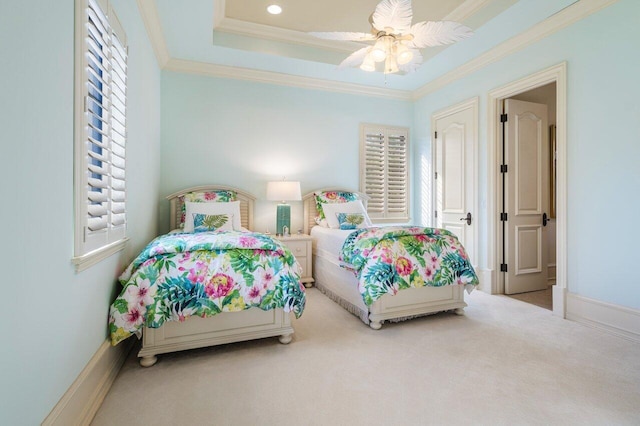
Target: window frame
[
  {"x": 92, "y": 246},
  {"x": 386, "y": 132}
]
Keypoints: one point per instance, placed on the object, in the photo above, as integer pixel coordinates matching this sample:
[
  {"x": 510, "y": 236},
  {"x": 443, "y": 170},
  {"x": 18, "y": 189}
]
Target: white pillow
[
  {"x": 330, "y": 210},
  {"x": 231, "y": 208}
]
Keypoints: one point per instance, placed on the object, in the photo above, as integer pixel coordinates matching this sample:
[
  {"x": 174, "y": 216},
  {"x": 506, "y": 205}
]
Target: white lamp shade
[{"x": 283, "y": 191}]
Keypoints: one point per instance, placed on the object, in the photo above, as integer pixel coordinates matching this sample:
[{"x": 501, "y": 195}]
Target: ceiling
[
  {"x": 240, "y": 39},
  {"x": 327, "y": 15}
]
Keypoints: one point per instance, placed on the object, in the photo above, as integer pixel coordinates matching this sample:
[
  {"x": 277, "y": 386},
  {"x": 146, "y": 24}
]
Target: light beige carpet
[{"x": 504, "y": 363}]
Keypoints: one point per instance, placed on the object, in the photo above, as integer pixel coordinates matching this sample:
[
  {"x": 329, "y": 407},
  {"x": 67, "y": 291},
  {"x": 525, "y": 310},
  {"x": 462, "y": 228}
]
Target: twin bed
[
  {"x": 205, "y": 281},
  {"x": 237, "y": 285},
  {"x": 345, "y": 288}
]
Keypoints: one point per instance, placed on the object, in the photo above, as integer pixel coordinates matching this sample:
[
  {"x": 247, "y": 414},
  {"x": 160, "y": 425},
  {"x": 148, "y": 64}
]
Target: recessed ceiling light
[{"x": 274, "y": 9}]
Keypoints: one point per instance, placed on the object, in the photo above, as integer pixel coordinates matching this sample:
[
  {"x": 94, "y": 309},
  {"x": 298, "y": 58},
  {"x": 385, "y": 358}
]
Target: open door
[{"x": 526, "y": 197}]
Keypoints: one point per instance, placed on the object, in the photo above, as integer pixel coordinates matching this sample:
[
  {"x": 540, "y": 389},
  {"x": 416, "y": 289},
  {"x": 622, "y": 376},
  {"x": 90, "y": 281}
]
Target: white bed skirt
[{"x": 341, "y": 286}]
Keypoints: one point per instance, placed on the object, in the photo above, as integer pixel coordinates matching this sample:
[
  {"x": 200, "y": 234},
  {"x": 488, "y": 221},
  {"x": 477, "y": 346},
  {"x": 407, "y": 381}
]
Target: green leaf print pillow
[
  {"x": 351, "y": 220},
  {"x": 212, "y": 222}
]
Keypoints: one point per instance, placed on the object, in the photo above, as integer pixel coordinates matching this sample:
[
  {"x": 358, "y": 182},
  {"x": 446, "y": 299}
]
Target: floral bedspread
[
  {"x": 184, "y": 274},
  {"x": 393, "y": 258}
]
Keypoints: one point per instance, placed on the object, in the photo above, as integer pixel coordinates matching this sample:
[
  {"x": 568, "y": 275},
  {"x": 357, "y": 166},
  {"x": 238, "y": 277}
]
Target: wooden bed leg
[
  {"x": 459, "y": 311},
  {"x": 376, "y": 325},
  {"x": 148, "y": 361},
  {"x": 285, "y": 338}
]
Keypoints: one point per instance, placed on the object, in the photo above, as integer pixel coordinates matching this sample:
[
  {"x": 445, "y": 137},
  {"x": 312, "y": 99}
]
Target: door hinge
[
  {"x": 503, "y": 168},
  {"x": 436, "y": 175},
  {"x": 436, "y": 214},
  {"x": 503, "y": 267},
  {"x": 503, "y": 217},
  {"x": 435, "y": 135},
  {"x": 503, "y": 118}
]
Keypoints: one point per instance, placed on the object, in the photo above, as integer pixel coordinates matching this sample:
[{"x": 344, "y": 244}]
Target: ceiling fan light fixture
[
  {"x": 368, "y": 64},
  {"x": 403, "y": 54},
  {"x": 274, "y": 9},
  {"x": 396, "y": 41},
  {"x": 379, "y": 51}
]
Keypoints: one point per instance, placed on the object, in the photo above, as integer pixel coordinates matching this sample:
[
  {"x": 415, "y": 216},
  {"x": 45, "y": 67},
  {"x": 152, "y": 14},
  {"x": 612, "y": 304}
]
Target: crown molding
[
  {"x": 236, "y": 73},
  {"x": 251, "y": 29},
  {"x": 466, "y": 10},
  {"x": 219, "y": 12},
  {"x": 151, "y": 20},
  {"x": 554, "y": 23}
]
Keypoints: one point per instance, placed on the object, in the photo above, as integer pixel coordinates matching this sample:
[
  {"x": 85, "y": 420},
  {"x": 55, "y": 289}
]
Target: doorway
[{"x": 529, "y": 87}]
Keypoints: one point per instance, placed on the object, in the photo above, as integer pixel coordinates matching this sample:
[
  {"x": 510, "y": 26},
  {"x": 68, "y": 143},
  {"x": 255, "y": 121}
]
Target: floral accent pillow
[
  {"x": 351, "y": 220},
  {"x": 220, "y": 196},
  {"x": 325, "y": 197},
  {"x": 212, "y": 222}
]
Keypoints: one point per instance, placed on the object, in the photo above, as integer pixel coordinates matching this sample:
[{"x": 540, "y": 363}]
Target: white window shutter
[
  {"x": 101, "y": 127},
  {"x": 384, "y": 170}
]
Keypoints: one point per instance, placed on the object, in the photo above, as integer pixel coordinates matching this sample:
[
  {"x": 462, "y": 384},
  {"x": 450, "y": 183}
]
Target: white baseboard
[
  {"x": 81, "y": 401},
  {"x": 614, "y": 319},
  {"x": 486, "y": 280}
]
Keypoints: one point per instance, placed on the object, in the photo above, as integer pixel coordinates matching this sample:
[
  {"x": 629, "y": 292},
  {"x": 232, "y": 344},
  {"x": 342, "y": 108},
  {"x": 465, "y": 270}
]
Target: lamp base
[{"x": 283, "y": 218}]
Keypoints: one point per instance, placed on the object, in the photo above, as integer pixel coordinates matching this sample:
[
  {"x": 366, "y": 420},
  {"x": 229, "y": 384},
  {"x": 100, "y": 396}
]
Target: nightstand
[{"x": 300, "y": 246}]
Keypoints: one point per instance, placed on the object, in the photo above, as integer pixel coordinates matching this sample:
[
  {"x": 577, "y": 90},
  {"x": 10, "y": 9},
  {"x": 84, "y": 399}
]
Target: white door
[
  {"x": 526, "y": 196},
  {"x": 454, "y": 153}
]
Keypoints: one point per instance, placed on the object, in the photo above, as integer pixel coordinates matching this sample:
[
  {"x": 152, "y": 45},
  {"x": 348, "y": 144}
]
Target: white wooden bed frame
[
  {"x": 341, "y": 284},
  {"x": 222, "y": 328}
]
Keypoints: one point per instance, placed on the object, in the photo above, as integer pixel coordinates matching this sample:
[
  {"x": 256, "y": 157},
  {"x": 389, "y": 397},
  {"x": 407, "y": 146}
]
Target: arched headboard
[
  {"x": 247, "y": 202},
  {"x": 311, "y": 211}
]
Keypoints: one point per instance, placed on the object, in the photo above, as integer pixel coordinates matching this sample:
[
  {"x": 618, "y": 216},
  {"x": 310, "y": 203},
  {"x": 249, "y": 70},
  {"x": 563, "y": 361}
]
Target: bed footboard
[{"x": 223, "y": 328}]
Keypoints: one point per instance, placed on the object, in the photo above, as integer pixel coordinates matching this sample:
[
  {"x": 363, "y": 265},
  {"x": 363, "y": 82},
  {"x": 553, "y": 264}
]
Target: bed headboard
[
  {"x": 311, "y": 212},
  {"x": 247, "y": 202}
]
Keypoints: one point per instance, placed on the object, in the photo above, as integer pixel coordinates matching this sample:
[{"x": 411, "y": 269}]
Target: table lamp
[{"x": 283, "y": 191}]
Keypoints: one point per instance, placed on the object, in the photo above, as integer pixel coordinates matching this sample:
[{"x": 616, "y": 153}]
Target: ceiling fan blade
[
  {"x": 355, "y": 59},
  {"x": 336, "y": 35},
  {"x": 396, "y": 14},
  {"x": 436, "y": 33},
  {"x": 412, "y": 65}
]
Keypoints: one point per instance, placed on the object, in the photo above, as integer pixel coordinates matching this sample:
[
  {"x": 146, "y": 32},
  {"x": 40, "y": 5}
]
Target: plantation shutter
[
  {"x": 384, "y": 170},
  {"x": 101, "y": 196}
]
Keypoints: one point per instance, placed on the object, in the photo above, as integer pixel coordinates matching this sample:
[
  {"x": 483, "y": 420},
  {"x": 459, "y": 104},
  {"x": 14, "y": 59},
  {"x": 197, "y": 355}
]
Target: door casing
[{"x": 557, "y": 74}]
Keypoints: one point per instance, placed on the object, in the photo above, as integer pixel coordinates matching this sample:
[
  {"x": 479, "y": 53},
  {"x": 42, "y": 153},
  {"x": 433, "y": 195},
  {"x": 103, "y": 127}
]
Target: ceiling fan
[{"x": 397, "y": 42}]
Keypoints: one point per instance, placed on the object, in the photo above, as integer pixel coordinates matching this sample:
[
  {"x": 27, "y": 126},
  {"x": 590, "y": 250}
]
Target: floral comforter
[
  {"x": 393, "y": 258},
  {"x": 183, "y": 274}
]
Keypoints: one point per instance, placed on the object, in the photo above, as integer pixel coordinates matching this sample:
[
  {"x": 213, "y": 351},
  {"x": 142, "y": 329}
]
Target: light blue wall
[
  {"x": 244, "y": 134},
  {"x": 54, "y": 319},
  {"x": 602, "y": 147}
]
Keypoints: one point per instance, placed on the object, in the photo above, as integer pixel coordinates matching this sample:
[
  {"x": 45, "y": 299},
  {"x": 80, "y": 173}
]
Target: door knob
[
  {"x": 467, "y": 218},
  {"x": 545, "y": 219}
]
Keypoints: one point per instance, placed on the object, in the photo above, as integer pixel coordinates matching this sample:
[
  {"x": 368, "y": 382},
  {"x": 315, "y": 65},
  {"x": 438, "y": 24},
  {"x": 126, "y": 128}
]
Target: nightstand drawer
[{"x": 298, "y": 248}]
